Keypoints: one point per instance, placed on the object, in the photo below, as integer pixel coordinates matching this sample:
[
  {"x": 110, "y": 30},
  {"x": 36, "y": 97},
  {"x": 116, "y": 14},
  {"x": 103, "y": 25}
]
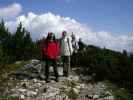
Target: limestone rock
[
  {"x": 95, "y": 96},
  {"x": 76, "y": 90},
  {"x": 22, "y": 96},
  {"x": 31, "y": 87},
  {"x": 31, "y": 93}
]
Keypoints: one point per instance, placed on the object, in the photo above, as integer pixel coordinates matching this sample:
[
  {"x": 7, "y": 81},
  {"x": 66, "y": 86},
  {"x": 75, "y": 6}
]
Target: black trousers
[
  {"x": 74, "y": 59},
  {"x": 51, "y": 62}
]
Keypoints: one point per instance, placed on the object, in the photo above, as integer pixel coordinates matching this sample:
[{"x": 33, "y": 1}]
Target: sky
[{"x": 104, "y": 23}]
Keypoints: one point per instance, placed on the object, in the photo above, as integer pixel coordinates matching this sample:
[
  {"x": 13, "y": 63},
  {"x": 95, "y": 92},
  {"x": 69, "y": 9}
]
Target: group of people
[{"x": 52, "y": 49}]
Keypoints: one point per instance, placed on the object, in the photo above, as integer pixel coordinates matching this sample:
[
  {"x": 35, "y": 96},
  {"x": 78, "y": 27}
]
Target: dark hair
[{"x": 49, "y": 36}]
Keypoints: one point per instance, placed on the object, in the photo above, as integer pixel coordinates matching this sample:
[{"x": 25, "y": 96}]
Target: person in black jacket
[{"x": 81, "y": 45}]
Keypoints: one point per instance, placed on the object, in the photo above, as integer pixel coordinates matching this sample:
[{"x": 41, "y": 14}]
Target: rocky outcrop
[{"x": 30, "y": 87}]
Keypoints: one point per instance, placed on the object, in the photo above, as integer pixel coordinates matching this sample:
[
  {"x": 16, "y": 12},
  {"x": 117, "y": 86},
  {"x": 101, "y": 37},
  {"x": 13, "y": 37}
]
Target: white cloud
[
  {"x": 40, "y": 25},
  {"x": 10, "y": 10}
]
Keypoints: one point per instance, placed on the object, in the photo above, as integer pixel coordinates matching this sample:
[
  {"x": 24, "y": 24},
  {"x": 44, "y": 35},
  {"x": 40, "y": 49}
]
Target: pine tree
[
  {"x": 18, "y": 42},
  {"x": 3, "y": 32},
  {"x": 28, "y": 43},
  {"x": 4, "y": 42}
]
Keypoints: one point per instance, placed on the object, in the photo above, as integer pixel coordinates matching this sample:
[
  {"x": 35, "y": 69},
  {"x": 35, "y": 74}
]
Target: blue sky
[
  {"x": 113, "y": 16},
  {"x": 104, "y": 23}
]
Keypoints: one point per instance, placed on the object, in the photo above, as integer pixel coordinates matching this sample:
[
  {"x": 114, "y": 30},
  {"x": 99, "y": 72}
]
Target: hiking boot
[
  {"x": 47, "y": 80},
  {"x": 65, "y": 74},
  {"x": 57, "y": 79}
]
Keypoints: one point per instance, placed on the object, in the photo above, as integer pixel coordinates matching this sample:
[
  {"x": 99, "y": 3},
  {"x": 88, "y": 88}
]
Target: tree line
[
  {"x": 106, "y": 64},
  {"x": 16, "y": 46}
]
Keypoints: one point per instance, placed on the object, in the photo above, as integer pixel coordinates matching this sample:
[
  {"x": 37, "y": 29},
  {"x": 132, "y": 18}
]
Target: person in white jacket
[{"x": 66, "y": 52}]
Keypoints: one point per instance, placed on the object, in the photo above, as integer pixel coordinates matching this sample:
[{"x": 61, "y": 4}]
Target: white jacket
[{"x": 66, "y": 47}]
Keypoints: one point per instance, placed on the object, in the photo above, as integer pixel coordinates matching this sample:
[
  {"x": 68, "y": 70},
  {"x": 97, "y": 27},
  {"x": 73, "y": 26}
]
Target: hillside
[
  {"x": 25, "y": 83},
  {"x": 29, "y": 86},
  {"x": 94, "y": 67}
]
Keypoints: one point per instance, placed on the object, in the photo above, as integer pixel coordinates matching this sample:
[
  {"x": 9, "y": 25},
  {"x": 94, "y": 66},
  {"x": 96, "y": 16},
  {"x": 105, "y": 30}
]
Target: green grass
[
  {"x": 5, "y": 82},
  {"x": 118, "y": 93},
  {"x": 71, "y": 94},
  {"x": 8, "y": 68},
  {"x": 10, "y": 98},
  {"x": 70, "y": 83}
]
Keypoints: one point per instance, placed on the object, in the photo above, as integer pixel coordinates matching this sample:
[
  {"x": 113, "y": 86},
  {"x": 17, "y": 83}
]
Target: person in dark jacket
[
  {"x": 74, "y": 56},
  {"x": 51, "y": 53},
  {"x": 81, "y": 45}
]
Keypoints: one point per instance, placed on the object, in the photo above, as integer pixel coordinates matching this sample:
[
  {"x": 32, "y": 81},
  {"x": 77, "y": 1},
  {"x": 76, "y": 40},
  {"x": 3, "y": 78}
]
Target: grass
[
  {"x": 71, "y": 94},
  {"x": 118, "y": 93},
  {"x": 8, "y": 68},
  {"x": 70, "y": 83},
  {"x": 5, "y": 82},
  {"x": 10, "y": 98}
]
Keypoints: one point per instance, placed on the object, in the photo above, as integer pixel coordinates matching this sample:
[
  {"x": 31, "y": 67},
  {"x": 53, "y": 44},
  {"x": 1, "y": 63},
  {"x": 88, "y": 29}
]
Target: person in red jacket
[{"x": 51, "y": 53}]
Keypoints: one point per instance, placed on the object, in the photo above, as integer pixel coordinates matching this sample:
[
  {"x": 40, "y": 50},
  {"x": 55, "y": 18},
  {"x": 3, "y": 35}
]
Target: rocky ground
[{"x": 74, "y": 87}]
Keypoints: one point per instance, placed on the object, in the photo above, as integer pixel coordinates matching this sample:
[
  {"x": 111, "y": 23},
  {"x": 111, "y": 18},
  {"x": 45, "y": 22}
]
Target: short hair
[{"x": 64, "y": 32}]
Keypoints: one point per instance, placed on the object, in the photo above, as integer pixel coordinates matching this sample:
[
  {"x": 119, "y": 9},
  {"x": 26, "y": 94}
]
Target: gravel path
[{"x": 68, "y": 88}]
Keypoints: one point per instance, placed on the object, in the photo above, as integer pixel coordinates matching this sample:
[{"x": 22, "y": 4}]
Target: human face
[
  {"x": 51, "y": 37},
  {"x": 64, "y": 34}
]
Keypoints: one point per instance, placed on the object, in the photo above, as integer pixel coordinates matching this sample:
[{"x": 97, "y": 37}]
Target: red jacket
[{"x": 51, "y": 50}]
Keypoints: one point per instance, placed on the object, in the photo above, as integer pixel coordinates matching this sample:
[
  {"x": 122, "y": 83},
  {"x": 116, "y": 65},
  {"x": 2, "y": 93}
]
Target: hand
[{"x": 58, "y": 57}]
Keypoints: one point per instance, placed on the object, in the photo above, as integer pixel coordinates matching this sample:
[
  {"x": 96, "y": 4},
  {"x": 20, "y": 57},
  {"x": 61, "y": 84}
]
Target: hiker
[
  {"x": 75, "y": 50},
  {"x": 74, "y": 43},
  {"x": 81, "y": 50},
  {"x": 81, "y": 45},
  {"x": 66, "y": 52},
  {"x": 51, "y": 53}
]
